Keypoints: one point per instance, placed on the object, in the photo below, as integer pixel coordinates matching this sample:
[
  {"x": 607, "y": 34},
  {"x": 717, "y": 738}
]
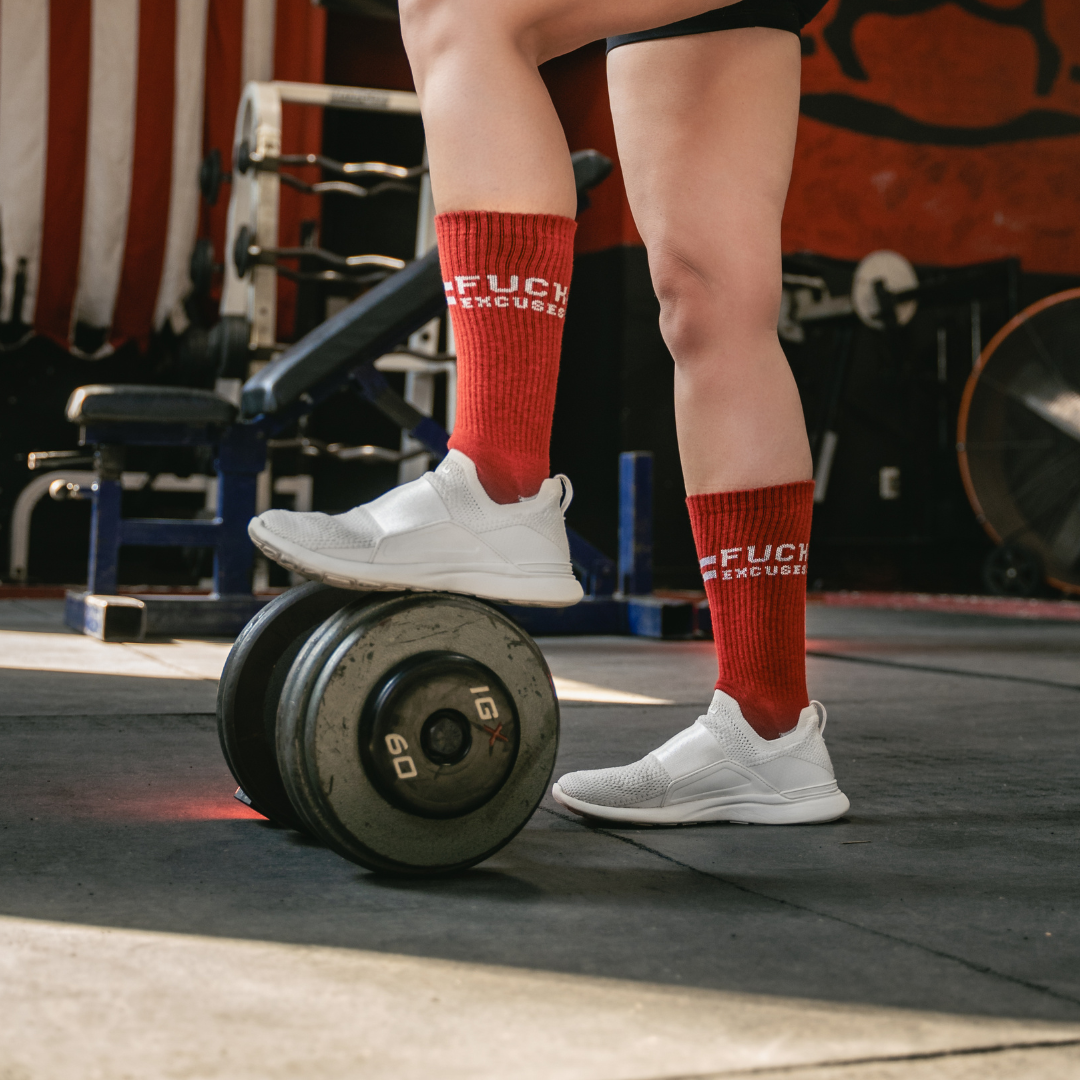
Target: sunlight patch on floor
[
  {"x": 137, "y": 1003},
  {"x": 77, "y": 654}
]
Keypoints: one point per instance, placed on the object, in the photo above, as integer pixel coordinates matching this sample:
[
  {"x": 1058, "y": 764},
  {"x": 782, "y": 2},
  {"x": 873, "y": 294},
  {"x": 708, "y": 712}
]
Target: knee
[
  {"x": 427, "y": 28},
  {"x": 432, "y": 29},
  {"x": 705, "y": 303}
]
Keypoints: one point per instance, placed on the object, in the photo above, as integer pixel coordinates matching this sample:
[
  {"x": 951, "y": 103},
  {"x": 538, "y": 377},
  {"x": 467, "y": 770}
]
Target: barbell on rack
[
  {"x": 394, "y": 177},
  {"x": 247, "y": 254}
]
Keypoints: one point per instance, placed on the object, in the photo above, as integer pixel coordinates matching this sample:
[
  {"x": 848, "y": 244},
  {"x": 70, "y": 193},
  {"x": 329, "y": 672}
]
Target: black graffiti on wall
[{"x": 873, "y": 118}]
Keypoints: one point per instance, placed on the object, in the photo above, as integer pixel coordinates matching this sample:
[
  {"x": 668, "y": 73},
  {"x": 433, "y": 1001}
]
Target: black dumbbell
[{"x": 412, "y": 733}]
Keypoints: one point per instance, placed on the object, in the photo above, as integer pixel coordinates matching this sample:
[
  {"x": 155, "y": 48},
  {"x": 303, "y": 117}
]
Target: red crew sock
[
  {"x": 752, "y": 546},
  {"x": 507, "y": 279}
]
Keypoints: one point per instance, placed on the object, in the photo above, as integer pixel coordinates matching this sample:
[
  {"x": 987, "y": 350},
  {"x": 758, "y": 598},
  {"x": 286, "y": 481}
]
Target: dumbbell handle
[
  {"x": 246, "y": 158},
  {"x": 247, "y": 254},
  {"x": 386, "y": 262},
  {"x": 343, "y": 187}
]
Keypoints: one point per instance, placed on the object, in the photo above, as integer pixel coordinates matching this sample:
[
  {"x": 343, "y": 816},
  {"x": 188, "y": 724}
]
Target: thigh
[
  {"x": 544, "y": 28},
  {"x": 705, "y": 127}
]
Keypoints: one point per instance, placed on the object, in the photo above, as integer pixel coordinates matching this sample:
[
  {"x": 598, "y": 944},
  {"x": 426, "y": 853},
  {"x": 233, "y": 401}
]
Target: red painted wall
[
  {"x": 940, "y": 78},
  {"x": 981, "y": 99}
]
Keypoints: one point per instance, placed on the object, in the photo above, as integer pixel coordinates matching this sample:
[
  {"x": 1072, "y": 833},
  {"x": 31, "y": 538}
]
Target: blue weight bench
[
  {"x": 112, "y": 418},
  {"x": 338, "y": 354}
]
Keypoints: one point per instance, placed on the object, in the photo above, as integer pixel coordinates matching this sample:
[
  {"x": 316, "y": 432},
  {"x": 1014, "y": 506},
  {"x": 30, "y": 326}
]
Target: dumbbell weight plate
[
  {"x": 242, "y": 251},
  {"x": 250, "y": 688},
  {"x": 896, "y": 274},
  {"x": 417, "y": 734},
  {"x": 201, "y": 266}
]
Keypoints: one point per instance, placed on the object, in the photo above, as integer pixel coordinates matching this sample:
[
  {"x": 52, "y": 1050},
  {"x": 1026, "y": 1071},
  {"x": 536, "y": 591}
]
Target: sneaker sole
[
  {"x": 506, "y": 588},
  {"x": 763, "y": 810}
]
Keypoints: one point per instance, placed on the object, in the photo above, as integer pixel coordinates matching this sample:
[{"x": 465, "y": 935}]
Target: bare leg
[
  {"x": 494, "y": 140},
  {"x": 706, "y": 132}
]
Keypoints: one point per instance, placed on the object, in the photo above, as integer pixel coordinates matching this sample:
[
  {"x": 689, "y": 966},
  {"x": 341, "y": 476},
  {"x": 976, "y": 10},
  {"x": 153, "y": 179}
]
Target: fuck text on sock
[
  {"x": 473, "y": 291},
  {"x": 754, "y": 561}
]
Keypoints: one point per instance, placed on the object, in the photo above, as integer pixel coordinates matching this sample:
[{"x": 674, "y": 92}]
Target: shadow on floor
[{"x": 964, "y": 898}]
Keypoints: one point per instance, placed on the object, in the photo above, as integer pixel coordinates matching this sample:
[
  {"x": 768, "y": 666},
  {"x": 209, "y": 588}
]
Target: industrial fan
[{"x": 1019, "y": 447}]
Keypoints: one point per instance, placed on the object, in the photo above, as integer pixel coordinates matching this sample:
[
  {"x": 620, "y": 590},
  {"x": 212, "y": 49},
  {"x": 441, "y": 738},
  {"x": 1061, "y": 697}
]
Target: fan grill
[{"x": 1019, "y": 436}]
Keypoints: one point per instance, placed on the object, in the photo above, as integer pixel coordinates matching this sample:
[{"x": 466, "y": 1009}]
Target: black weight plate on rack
[
  {"x": 417, "y": 733},
  {"x": 250, "y": 689}
]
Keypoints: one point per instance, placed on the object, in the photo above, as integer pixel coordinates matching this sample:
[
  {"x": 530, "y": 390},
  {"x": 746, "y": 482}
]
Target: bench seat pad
[{"x": 119, "y": 403}]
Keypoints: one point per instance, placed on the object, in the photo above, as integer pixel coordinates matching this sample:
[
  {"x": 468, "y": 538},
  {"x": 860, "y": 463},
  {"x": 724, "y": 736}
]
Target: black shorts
[{"x": 790, "y": 15}]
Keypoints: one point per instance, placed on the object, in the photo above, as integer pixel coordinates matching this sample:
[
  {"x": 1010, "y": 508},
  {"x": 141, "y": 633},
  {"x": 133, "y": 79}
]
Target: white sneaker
[
  {"x": 718, "y": 769},
  {"x": 438, "y": 533}
]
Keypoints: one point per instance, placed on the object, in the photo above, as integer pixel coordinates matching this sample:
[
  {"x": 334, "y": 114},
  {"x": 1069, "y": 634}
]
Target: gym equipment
[
  {"x": 251, "y": 684},
  {"x": 885, "y": 294},
  {"x": 396, "y": 176},
  {"x": 880, "y": 280},
  {"x": 114, "y": 417},
  {"x": 412, "y": 734},
  {"x": 212, "y": 175},
  {"x": 202, "y": 266},
  {"x": 882, "y": 296},
  {"x": 1018, "y": 442},
  {"x": 349, "y": 351},
  {"x": 247, "y": 254},
  {"x": 256, "y": 185}
]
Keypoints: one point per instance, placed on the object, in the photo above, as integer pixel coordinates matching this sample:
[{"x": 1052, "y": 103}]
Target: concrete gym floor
[{"x": 151, "y": 926}]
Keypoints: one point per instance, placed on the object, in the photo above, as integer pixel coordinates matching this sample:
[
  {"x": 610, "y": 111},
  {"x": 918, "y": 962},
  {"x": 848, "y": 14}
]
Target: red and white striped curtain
[{"x": 107, "y": 107}]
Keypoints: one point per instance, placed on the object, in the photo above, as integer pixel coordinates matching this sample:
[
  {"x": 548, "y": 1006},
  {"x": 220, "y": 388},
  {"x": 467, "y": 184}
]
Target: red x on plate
[{"x": 495, "y": 733}]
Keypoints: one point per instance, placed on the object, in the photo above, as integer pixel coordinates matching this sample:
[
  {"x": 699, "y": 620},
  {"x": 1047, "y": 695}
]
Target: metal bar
[
  {"x": 348, "y": 97},
  {"x": 233, "y": 551},
  {"x": 635, "y": 522},
  {"x": 164, "y": 532},
  {"x": 597, "y": 570},
  {"x": 21, "y": 515},
  {"x": 240, "y": 460},
  {"x": 106, "y": 536}
]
